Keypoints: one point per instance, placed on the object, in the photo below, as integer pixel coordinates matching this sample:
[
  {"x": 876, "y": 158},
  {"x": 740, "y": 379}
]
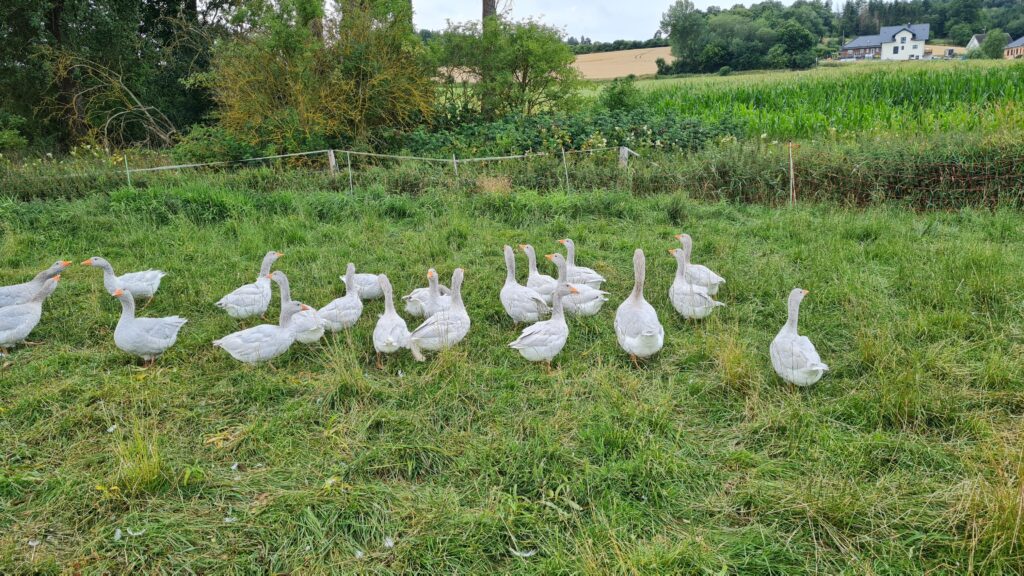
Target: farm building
[
  {"x": 976, "y": 41},
  {"x": 1014, "y": 49},
  {"x": 904, "y": 42}
]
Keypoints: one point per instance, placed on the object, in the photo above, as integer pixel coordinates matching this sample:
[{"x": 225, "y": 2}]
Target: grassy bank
[{"x": 905, "y": 458}]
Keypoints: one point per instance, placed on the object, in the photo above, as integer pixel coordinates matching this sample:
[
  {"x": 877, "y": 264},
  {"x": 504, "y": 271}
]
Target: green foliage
[
  {"x": 621, "y": 94},
  {"x": 212, "y": 144},
  {"x": 11, "y": 137},
  {"x": 960, "y": 34},
  {"x": 994, "y": 43},
  {"x": 724, "y": 71},
  {"x": 299, "y": 81},
  {"x": 505, "y": 68}
]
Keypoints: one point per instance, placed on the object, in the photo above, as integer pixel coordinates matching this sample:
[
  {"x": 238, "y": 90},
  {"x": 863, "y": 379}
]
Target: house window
[
  {"x": 895, "y": 49},
  {"x": 915, "y": 46},
  {"x": 903, "y": 40}
]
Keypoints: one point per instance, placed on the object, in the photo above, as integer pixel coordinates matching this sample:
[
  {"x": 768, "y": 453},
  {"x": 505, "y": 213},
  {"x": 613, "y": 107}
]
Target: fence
[{"x": 751, "y": 171}]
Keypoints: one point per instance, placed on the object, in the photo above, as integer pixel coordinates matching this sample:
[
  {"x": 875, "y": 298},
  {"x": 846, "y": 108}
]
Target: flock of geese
[{"x": 544, "y": 302}]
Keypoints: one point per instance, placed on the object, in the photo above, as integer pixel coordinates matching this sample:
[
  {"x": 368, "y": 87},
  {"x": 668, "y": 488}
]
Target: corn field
[{"x": 909, "y": 98}]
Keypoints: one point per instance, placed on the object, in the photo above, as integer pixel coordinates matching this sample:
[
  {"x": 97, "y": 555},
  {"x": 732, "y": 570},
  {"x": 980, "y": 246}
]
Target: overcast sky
[{"x": 603, "y": 20}]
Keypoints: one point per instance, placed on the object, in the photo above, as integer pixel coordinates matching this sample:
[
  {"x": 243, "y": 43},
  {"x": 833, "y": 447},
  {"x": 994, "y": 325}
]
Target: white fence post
[
  {"x": 127, "y": 173},
  {"x": 348, "y": 160},
  {"x": 455, "y": 164},
  {"x": 792, "y": 177},
  {"x": 623, "y": 157}
]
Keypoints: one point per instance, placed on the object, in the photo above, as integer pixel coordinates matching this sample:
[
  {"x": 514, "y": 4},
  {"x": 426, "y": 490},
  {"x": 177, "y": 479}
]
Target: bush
[
  {"x": 621, "y": 94},
  {"x": 724, "y": 71},
  {"x": 212, "y": 144}
]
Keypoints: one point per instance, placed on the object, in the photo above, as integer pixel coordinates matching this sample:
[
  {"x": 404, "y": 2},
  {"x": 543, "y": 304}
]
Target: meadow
[
  {"x": 853, "y": 100},
  {"x": 905, "y": 458}
]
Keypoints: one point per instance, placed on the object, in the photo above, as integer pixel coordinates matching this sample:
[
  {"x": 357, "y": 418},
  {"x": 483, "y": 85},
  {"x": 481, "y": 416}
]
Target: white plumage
[
  {"x": 306, "y": 322},
  {"x": 697, "y": 274},
  {"x": 793, "y": 356},
  {"x": 690, "y": 300},
  {"x": 444, "y": 329},
  {"x": 252, "y": 299},
  {"x": 579, "y": 274},
  {"x": 343, "y": 312},
  {"x": 636, "y": 322},
  {"x": 24, "y": 292},
  {"x": 522, "y": 304},
  {"x": 144, "y": 337},
  {"x": 264, "y": 342},
  {"x": 541, "y": 283},
  {"x": 18, "y": 321},
  {"x": 391, "y": 333}
]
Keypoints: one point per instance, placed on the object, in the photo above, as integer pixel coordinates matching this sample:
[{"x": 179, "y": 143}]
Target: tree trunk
[
  {"x": 490, "y": 9},
  {"x": 67, "y": 86}
]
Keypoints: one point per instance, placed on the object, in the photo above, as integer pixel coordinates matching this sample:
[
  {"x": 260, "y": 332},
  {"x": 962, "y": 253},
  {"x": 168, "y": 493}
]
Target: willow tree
[{"x": 292, "y": 83}]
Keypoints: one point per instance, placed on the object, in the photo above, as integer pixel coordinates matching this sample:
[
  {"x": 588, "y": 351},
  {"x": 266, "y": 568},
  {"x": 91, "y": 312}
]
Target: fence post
[
  {"x": 348, "y": 160},
  {"x": 332, "y": 163},
  {"x": 792, "y": 177},
  {"x": 455, "y": 164},
  {"x": 565, "y": 167},
  {"x": 623, "y": 157},
  {"x": 127, "y": 173}
]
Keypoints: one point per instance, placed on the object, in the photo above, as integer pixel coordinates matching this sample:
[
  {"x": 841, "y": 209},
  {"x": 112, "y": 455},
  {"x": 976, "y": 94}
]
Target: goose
[
  {"x": 585, "y": 301},
  {"x": 343, "y": 312},
  {"x": 18, "y": 321},
  {"x": 24, "y": 292},
  {"x": 793, "y": 356},
  {"x": 542, "y": 341},
  {"x": 391, "y": 333},
  {"x": 579, "y": 274},
  {"x": 636, "y": 322},
  {"x": 696, "y": 273},
  {"x": 521, "y": 303},
  {"x": 367, "y": 286},
  {"x": 305, "y": 323},
  {"x": 144, "y": 337},
  {"x": 140, "y": 284},
  {"x": 264, "y": 342},
  {"x": 445, "y": 328},
  {"x": 251, "y": 299},
  {"x": 690, "y": 300},
  {"x": 541, "y": 283},
  {"x": 426, "y": 301}
]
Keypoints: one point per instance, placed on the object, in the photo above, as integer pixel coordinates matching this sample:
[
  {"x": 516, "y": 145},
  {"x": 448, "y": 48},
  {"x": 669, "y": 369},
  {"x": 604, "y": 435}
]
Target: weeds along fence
[{"x": 931, "y": 175}]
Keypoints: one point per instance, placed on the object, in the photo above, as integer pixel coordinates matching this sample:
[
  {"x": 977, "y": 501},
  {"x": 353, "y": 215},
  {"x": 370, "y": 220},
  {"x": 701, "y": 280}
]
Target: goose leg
[
  {"x": 380, "y": 364},
  {"x": 146, "y": 305},
  {"x": 633, "y": 359},
  {"x": 31, "y": 343}
]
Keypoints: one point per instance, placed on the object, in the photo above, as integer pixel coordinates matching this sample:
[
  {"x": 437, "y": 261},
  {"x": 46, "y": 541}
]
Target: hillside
[{"x": 608, "y": 65}]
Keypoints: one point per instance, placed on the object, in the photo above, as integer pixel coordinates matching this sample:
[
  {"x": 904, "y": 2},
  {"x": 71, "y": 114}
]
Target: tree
[
  {"x": 490, "y": 8},
  {"x": 960, "y": 34},
  {"x": 995, "y": 41},
  {"x": 685, "y": 27}
]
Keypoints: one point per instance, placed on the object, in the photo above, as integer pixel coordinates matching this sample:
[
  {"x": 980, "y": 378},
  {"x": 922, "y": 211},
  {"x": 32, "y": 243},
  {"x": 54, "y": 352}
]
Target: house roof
[
  {"x": 887, "y": 33},
  {"x": 979, "y": 38},
  {"x": 1019, "y": 42}
]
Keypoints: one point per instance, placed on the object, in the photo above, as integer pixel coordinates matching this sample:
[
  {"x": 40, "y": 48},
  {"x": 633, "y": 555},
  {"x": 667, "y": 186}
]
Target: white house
[
  {"x": 891, "y": 43},
  {"x": 975, "y": 42}
]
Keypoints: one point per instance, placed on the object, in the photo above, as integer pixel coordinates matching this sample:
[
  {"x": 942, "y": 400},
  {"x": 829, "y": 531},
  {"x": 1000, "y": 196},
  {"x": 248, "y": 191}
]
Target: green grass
[
  {"x": 905, "y": 458},
  {"x": 881, "y": 98}
]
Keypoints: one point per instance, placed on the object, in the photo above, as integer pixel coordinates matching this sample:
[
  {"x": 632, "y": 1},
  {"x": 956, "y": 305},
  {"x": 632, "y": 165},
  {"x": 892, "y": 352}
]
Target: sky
[{"x": 599, "y": 20}]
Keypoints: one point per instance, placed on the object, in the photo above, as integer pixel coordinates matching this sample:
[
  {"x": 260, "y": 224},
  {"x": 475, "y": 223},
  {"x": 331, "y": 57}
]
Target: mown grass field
[{"x": 905, "y": 458}]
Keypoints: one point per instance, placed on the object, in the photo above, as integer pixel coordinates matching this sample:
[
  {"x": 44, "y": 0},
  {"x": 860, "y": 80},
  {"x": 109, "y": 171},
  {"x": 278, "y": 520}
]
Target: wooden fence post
[
  {"x": 792, "y": 177},
  {"x": 565, "y": 167},
  {"x": 623, "y": 157},
  {"x": 332, "y": 163},
  {"x": 348, "y": 160},
  {"x": 127, "y": 173},
  {"x": 455, "y": 164}
]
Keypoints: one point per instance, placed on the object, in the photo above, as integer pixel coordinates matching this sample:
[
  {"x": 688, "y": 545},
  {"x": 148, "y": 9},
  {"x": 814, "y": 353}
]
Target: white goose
[
  {"x": 251, "y": 299},
  {"x": 579, "y": 274},
  {"x": 690, "y": 300},
  {"x": 585, "y": 301},
  {"x": 305, "y": 323},
  {"x": 696, "y": 273},
  {"x": 343, "y": 312},
  {"x": 144, "y": 337},
  {"x": 427, "y": 301},
  {"x": 391, "y": 333},
  {"x": 542, "y": 341},
  {"x": 541, "y": 283},
  {"x": 793, "y": 356},
  {"x": 367, "y": 286},
  {"x": 636, "y": 322},
  {"x": 141, "y": 284},
  {"x": 521, "y": 303},
  {"x": 264, "y": 342},
  {"x": 18, "y": 321},
  {"x": 444, "y": 329},
  {"x": 24, "y": 292}
]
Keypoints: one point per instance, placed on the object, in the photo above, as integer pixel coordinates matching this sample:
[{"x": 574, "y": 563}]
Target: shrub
[
  {"x": 621, "y": 94},
  {"x": 724, "y": 71},
  {"x": 212, "y": 144}
]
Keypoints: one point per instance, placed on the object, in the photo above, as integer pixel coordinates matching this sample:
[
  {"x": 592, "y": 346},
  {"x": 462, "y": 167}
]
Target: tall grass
[{"x": 909, "y": 98}]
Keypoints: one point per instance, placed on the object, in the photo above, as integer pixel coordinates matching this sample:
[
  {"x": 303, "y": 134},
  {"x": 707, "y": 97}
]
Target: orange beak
[
  {"x": 87, "y": 262},
  {"x": 304, "y": 308},
  {"x": 65, "y": 262},
  {"x": 56, "y": 278},
  {"x": 279, "y": 254},
  {"x": 573, "y": 290},
  {"x": 118, "y": 293},
  {"x": 679, "y": 237},
  {"x": 806, "y": 292},
  {"x": 672, "y": 251},
  {"x": 563, "y": 240},
  {"x": 550, "y": 256},
  {"x": 430, "y": 274},
  {"x": 522, "y": 246},
  {"x": 271, "y": 276}
]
